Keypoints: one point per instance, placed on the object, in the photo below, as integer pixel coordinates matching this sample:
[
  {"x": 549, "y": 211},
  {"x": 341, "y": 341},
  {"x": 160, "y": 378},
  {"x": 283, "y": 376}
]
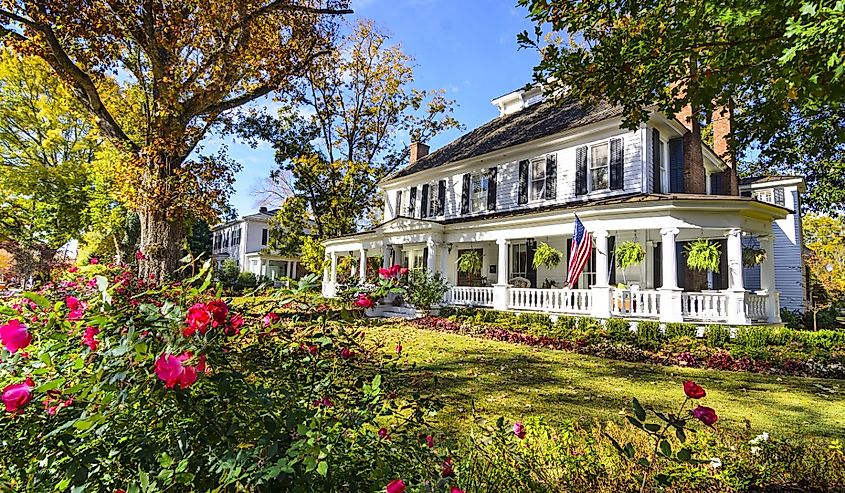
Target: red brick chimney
[
  {"x": 695, "y": 179},
  {"x": 418, "y": 151},
  {"x": 722, "y": 126}
]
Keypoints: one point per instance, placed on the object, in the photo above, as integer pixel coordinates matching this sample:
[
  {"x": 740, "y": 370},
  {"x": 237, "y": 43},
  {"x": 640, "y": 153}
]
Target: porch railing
[
  {"x": 551, "y": 300},
  {"x": 704, "y": 306},
  {"x": 469, "y": 296},
  {"x": 755, "y": 307},
  {"x": 638, "y": 303}
]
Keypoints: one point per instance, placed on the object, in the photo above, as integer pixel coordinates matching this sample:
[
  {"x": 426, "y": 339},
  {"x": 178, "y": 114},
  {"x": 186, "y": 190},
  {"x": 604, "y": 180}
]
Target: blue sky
[{"x": 467, "y": 47}]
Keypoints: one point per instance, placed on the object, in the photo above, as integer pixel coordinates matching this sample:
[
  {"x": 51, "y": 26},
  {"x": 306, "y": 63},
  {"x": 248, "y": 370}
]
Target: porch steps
[{"x": 390, "y": 311}]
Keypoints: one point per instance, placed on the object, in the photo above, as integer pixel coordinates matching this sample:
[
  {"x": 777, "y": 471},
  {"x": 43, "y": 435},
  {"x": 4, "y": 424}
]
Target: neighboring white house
[
  {"x": 519, "y": 180},
  {"x": 245, "y": 241}
]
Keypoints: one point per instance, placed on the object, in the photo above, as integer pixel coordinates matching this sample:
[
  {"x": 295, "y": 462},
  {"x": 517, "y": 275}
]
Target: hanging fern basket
[
  {"x": 629, "y": 253},
  {"x": 703, "y": 255},
  {"x": 469, "y": 263},
  {"x": 753, "y": 256},
  {"x": 547, "y": 256}
]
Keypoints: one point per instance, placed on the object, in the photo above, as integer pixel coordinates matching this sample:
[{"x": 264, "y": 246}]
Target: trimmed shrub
[
  {"x": 619, "y": 330},
  {"x": 754, "y": 337},
  {"x": 541, "y": 320},
  {"x": 717, "y": 336},
  {"x": 487, "y": 316},
  {"x": 566, "y": 327},
  {"x": 649, "y": 335},
  {"x": 587, "y": 324},
  {"x": 679, "y": 330}
]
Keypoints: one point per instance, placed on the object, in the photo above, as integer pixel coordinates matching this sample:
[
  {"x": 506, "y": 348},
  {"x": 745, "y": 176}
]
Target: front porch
[{"x": 661, "y": 287}]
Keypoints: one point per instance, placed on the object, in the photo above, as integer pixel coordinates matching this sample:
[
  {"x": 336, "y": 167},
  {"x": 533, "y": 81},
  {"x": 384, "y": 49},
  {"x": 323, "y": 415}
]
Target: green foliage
[
  {"x": 649, "y": 335},
  {"x": 229, "y": 271},
  {"x": 629, "y": 253},
  {"x": 753, "y": 337},
  {"x": 247, "y": 280},
  {"x": 426, "y": 288},
  {"x": 752, "y": 256},
  {"x": 619, "y": 330},
  {"x": 470, "y": 263},
  {"x": 717, "y": 336},
  {"x": 680, "y": 330},
  {"x": 539, "y": 320},
  {"x": 313, "y": 255},
  {"x": 546, "y": 255},
  {"x": 703, "y": 255}
]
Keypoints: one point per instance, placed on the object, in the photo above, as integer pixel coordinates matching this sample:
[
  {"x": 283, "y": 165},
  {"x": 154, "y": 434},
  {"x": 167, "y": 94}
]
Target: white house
[
  {"x": 520, "y": 179},
  {"x": 245, "y": 241}
]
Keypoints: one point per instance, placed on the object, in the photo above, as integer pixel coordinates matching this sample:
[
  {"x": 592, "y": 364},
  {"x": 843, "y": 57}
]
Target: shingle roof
[
  {"x": 536, "y": 121},
  {"x": 765, "y": 179}
]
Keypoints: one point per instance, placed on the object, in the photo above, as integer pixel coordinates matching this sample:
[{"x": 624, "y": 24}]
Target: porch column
[
  {"x": 500, "y": 289},
  {"x": 767, "y": 280},
  {"x": 443, "y": 251},
  {"x": 670, "y": 293},
  {"x": 333, "y": 279},
  {"x": 600, "y": 290},
  {"x": 362, "y": 266},
  {"x": 385, "y": 259},
  {"x": 736, "y": 291},
  {"x": 326, "y": 276},
  {"x": 431, "y": 254}
]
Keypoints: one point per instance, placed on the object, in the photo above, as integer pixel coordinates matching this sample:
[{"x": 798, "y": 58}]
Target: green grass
[{"x": 492, "y": 379}]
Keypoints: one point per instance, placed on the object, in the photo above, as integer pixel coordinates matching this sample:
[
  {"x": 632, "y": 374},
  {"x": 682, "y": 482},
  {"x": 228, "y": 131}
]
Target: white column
[
  {"x": 736, "y": 291},
  {"x": 385, "y": 259},
  {"x": 431, "y": 254},
  {"x": 500, "y": 289},
  {"x": 600, "y": 290},
  {"x": 768, "y": 282},
  {"x": 443, "y": 252},
  {"x": 362, "y": 266},
  {"x": 670, "y": 293},
  {"x": 326, "y": 277},
  {"x": 333, "y": 278}
]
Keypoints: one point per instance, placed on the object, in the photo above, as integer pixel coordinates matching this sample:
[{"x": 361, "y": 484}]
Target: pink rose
[
  {"x": 403, "y": 271},
  {"x": 429, "y": 440},
  {"x": 233, "y": 328},
  {"x": 384, "y": 273},
  {"x": 14, "y": 336},
  {"x": 455, "y": 489},
  {"x": 219, "y": 311},
  {"x": 88, "y": 338},
  {"x": 94, "y": 261},
  {"x": 364, "y": 301},
  {"x": 139, "y": 255},
  {"x": 198, "y": 319},
  {"x": 270, "y": 319},
  {"x": 346, "y": 353},
  {"x": 382, "y": 433},
  {"x": 172, "y": 371},
  {"x": 396, "y": 486},
  {"x": 519, "y": 430},
  {"x": 693, "y": 390},
  {"x": 17, "y": 395},
  {"x": 705, "y": 414},
  {"x": 399, "y": 349},
  {"x": 72, "y": 269}
]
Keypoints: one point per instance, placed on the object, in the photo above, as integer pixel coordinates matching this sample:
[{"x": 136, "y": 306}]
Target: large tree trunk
[{"x": 161, "y": 242}]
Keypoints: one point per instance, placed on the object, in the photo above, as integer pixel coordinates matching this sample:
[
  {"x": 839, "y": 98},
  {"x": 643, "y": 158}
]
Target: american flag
[{"x": 579, "y": 254}]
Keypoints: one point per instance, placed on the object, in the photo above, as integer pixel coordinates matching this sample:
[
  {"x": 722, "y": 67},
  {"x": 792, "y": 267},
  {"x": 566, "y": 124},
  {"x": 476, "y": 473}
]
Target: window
[
  {"x": 599, "y": 167},
  {"x": 519, "y": 260},
  {"x": 264, "y": 236},
  {"x": 432, "y": 200},
  {"x": 538, "y": 178},
  {"x": 588, "y": 275},
  {"x": 663, "y": 178},
  {"x": 763, "y": 196},
  {"x": 480, "y": 184},
  {"x": 398, "y": 203}
]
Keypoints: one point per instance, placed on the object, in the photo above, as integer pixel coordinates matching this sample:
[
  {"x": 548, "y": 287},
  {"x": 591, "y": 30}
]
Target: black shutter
[
  {"x": 581, "y": 170},
  {"x": 658, "y": 265},
  {"x": 441, "y": 197},
  {"x": 617, "y": 164},
  {"x": 551, "y": 177},
  {"x": 491, "y": 189},
  {"x": 424, "y": 201},
  {"x": 655, "y": 161},
  {"x": 399, "y": 202},
  {"x": 778, "y": 195},
  {"x": 530, "y": 271},
  {"x": 412, "y": 201},
  {"x": 523, "y": 182},
  {"x": 465, "y": 194},
  {"x": 681, "y": 263},
  {"x": 676, "y": 165},
  {"x": 720, "y": 279},
  {"x": 611, "y": 260},
  {"x": 425, "y": 258}
]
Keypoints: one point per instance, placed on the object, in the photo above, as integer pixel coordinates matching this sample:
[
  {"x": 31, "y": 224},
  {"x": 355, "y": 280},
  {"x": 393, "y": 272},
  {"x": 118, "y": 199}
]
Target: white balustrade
[
  {"x": 635, "y": 303},
  {"x": 712, "y": 307},
  {"x": 755, "y": 307},
  {"x": 550, "y": 300},
  {"x": 469, "y": 296}
]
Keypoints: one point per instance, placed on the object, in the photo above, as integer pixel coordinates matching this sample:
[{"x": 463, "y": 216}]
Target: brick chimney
[
  {"x": 418, "y": 151},
  {"x": 695, "y": 179},
  {"x": 722, "y": 126}
]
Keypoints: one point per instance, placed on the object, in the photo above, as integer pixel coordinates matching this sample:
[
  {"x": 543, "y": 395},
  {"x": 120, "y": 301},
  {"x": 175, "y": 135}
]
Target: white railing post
[
  {"x": 670, "y": 294},
  {"x": 736, "y": 290}
]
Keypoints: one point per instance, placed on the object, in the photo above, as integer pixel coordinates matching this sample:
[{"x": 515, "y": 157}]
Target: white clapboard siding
[{"x": 789, "y": 275}]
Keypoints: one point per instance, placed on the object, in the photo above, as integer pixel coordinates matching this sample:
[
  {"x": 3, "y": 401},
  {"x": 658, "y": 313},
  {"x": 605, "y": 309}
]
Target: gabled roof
[{"x": 533, "y": 122}]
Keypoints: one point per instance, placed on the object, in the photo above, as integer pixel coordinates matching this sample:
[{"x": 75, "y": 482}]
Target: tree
[
  {"x": 342, "y": 132},
  {"x": 188, "y": 64},
  {"x": 824, "y": 236},
  {"x": 778, "y": 64}
]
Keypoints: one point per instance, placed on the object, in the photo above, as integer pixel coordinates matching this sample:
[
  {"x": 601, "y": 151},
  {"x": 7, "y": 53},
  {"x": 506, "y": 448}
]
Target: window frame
[
  {"x": 533, "y": 194},
  {"x": 517, "y": 251},
  {"x": 590, "y": 166},
  {"x": 265, "y": 236},
  {"x": 433, "y": 199},
  {"x": 484, "y": 178}
]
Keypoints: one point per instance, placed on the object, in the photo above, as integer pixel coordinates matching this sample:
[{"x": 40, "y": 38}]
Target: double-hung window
[
  {"x": 519, "y": 260},
  {"x": 538, "y": 178},
  {"x": 432, "y": 200},
  {"x": 599, "y": 166},
  {"x": 479, "y": 186}
]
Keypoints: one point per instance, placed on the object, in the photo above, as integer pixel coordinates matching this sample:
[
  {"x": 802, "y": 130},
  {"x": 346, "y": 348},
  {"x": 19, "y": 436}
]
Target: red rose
[
  {"x": 17, "y": 395},
  {"x": 219, "y": 311},
  {"x": 198, "y": 319},
  {"x": 519, "y": 430},
  {"x": 396, "y": 486},
  {"x": 447, "y": 469},
  {"x": 693, "y": 390},
  {"x": 364, "y": 301},
  {"x": 705, "y": 414}
]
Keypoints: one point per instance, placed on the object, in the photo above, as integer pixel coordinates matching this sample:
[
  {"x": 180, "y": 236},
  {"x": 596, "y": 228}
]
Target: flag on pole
[{"x": 579, "y": 254}]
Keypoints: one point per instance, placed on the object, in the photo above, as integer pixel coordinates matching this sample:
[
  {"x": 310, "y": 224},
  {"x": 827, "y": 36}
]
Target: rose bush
[{"x": 171, "y": 388}]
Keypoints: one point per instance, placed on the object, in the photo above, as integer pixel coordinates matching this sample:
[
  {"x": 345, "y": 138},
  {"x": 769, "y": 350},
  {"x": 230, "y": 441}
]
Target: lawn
[{"x": 502, "y": 379}]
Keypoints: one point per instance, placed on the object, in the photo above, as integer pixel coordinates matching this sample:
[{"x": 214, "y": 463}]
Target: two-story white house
[
  {"x": 245, "y": 240},
  {"x": 521, "y": 178}
]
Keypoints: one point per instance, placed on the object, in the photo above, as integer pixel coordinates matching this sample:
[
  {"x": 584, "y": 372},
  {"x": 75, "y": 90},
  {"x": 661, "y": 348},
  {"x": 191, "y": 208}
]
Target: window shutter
[
  {"x": 581, "y": 170},
  {"x": 398, "y": 203},
  {"x": 465, "y": 194},
  {"x": 424, "y": 201},
  {"x": 491, "y": 189},
  {"x": 676, "y": 165},
  {"x": 655, "y": 161},
  {"x": 617, "y": 164},
  {"x": 681, "y": 264},
  {"x": 523, "y": 182},
  {"x": 530, "y": 271},
  {"x": 551, "y": 177},
  {"x": 779, "y": 198},
  {"x": 441, "y": 197},
  {"x": 412, "y": 201},
  {"x": 658, "y": 265},
  {"x": 611, "y": 260}
]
